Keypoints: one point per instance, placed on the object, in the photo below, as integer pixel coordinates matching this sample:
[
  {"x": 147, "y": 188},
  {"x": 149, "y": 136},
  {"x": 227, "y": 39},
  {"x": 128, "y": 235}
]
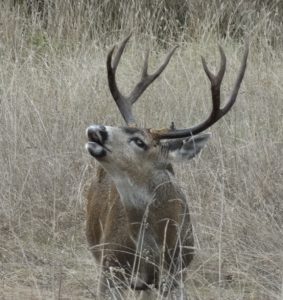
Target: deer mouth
[{"x": 97, "y": 135}]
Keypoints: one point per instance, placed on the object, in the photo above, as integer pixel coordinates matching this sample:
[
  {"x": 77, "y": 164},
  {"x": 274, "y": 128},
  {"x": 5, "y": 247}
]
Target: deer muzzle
[{"x": 97, "y": 135}]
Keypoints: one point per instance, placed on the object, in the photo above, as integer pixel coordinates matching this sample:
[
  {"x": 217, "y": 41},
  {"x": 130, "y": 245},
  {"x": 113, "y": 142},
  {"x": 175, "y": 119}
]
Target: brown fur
[{"x": 112, "y": 229}]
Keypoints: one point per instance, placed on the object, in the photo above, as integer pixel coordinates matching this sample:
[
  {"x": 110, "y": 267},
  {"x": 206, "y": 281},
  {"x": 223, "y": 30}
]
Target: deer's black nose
[{"x": 97, "y": 133}]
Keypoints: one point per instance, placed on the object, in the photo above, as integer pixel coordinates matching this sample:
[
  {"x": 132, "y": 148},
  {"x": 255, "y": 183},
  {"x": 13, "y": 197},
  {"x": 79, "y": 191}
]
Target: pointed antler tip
[
  {"x": 247, "y": 46},
  {"x": 174, "y": 49},
  {"x": 204, "y": 63},
  {"x": 126, "y": 39},
  {"x": 109, "y": 55},
  {"x": 112, "y": 49},
  {"x": 222, "y": 53}
]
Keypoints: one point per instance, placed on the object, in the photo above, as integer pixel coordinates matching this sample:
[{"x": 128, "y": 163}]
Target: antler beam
[
  {"x": 125, "y": 103},
  {"x": 216, "y": 112}
]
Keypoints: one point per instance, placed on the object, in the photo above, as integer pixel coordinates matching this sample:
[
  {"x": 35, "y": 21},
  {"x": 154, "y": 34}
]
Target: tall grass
[
  {"x": 53, "y": 85},
  {"x": 69, "y": 22}
]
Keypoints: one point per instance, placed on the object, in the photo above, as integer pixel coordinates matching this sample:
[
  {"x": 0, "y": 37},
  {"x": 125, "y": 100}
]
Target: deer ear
[{"x": 187, "y": 148}]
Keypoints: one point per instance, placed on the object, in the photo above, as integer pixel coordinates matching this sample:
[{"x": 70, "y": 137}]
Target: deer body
[
  {"x": 138, "y": 222},
  {"x": 139, "y": 228}
]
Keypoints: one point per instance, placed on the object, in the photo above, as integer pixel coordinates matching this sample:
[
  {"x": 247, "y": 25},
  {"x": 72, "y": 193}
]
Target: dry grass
[{"x": 49, "y": 94}]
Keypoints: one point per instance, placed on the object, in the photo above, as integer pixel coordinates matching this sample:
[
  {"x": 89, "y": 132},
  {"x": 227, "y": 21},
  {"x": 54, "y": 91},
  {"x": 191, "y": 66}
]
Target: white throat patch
[{"x": 133, "y": 195}]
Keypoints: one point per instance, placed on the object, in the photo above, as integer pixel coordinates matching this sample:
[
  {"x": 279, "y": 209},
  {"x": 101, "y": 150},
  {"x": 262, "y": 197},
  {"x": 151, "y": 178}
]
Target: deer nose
[{"x": 97, "y": 133}]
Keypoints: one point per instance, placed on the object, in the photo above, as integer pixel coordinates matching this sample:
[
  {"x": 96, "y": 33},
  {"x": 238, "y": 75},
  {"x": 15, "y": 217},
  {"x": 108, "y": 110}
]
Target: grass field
[{"x": 53, "y": 85}]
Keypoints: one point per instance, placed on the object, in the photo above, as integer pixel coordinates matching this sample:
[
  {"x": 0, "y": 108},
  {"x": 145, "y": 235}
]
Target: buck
[{"x": 138, "y": 222}]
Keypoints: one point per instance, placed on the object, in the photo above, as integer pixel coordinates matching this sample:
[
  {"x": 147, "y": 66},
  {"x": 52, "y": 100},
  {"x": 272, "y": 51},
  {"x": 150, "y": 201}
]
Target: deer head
[{"x": 134, "y": 152}]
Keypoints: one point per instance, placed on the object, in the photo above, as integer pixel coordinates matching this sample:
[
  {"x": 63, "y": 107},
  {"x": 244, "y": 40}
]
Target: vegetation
[{"x": 53, "y": 85}]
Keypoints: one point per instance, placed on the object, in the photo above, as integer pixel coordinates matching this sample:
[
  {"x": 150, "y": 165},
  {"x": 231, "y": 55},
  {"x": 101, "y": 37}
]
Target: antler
[
  {"x": 125, "y": 103},
  {"x": 217, "y": 112}
]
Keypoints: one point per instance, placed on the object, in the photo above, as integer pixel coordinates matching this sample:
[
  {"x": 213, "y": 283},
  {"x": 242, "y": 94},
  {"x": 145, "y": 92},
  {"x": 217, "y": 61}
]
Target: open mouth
[{"x": 96, "y": 150}]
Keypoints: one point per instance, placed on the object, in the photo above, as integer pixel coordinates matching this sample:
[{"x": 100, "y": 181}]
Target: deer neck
[
  {"x": 138, "y": 192},
  {"x": 135, "y": 195}
]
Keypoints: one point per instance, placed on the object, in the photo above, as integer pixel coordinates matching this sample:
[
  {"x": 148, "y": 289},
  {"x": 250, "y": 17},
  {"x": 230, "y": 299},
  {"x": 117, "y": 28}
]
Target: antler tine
[
  {"x": 145, "y": 65},
  {"x": 146, "y": 79},
  {"x": 216, "y": 81},
  {"x": 120, "y": 51},
  {"x": 217, "y": 112},
  {"x": 119, "y": 98},
  {"x": 238, "y": 82},
  {"x": 125, "y": 103}
]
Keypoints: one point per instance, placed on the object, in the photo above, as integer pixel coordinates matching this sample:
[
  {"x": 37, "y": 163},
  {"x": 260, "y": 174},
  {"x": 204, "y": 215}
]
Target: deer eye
[{"x": 139, "y": 143}]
